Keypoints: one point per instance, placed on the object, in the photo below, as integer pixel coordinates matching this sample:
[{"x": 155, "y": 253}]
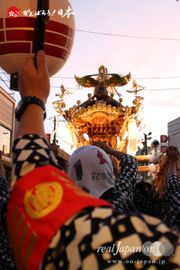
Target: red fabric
[{"x": 31, "y": 236}]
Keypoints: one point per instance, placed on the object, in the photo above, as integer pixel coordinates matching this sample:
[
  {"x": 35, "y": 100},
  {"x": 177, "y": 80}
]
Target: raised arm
[
  {"x": 30, "y": 148},
  {"x": 33, "y": 83},
  {"x": 109, "y": 150}
]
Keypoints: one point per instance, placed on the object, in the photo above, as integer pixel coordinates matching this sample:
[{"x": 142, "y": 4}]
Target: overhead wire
[{"x": 126, "y": 36}]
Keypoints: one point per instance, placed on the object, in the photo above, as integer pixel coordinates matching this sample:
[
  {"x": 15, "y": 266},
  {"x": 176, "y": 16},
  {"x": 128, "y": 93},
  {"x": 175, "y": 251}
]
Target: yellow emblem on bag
[{"x": 43, "y": 199}]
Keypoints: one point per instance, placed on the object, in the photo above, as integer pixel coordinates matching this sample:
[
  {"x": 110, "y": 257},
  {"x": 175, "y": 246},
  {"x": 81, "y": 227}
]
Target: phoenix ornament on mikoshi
[{"x": 103, "y": 78}]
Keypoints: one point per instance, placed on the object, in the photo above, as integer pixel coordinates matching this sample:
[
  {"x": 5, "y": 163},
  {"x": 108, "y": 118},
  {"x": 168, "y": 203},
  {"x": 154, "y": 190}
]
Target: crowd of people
[
  {"x": 161, "y": 197},
  {"x": 95, "y": 216}
]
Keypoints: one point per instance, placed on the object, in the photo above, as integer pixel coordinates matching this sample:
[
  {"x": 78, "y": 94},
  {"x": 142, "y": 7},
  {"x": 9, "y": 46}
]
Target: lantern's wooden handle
[{"x": 43, "y": 5}]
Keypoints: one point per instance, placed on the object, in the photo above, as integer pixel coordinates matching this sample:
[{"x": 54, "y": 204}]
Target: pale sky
[
  {"x": 152, "y": 56},
  {"x": 146, "y": 44}
]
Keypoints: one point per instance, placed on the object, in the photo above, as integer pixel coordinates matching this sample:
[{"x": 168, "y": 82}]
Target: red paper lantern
[{"x": 17, "y": 21}]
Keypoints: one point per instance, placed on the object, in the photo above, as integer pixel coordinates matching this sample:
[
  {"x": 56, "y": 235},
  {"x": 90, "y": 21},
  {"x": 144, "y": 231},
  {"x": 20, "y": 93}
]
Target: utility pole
[
  {"x": 54, "y": 139},
  {"x": 146, "y": 138}
]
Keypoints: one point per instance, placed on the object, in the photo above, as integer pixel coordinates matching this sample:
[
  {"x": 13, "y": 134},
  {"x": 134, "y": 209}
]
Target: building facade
[
  {"x": 174, "y": 133},
  {"x": 7, "y": 107}
]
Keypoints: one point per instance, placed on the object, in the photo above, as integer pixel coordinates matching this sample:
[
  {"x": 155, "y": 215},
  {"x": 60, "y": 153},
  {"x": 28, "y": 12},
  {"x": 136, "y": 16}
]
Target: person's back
[{"x": 162, "y": 198}]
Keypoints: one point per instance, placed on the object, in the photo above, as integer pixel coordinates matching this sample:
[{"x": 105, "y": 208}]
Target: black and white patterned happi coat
[{"x": 95, "y": 237}]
